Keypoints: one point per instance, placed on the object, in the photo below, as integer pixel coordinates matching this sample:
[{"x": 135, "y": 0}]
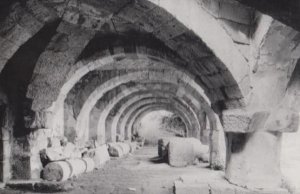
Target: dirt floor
[
  {"x": 143, "y": 173},
  {"x": 139, "y": 173}
]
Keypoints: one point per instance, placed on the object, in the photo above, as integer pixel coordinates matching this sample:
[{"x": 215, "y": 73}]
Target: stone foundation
[
  {"x": 253, "y": 159},
  {"x": 26, "y": 161}
]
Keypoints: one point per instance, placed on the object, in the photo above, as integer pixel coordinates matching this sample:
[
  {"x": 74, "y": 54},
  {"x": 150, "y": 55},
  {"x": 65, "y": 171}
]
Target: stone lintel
[{"x": 243, "y": 121}]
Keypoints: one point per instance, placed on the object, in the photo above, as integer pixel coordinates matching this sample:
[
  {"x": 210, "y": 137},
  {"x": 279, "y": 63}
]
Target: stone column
[
  {"x": 128, "y": 135},
  {"x": 253, "y": 150},
  {"x": 253, "y": 159},
  {"x": 26, "y": 162},
  {"x": 6, "y": 137},
  {"x": 217, "y": 144},
  {"x": 5, "y": 152}
]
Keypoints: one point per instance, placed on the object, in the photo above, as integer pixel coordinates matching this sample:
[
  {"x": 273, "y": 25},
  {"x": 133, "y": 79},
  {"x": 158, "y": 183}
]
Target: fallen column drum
[{"x": 62, "y": 170}]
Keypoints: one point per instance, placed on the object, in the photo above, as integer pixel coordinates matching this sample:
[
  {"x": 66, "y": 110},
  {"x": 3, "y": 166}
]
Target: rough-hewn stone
[
  {"x": 215, "y": 58},
  {"x": 180, "y": 152},
  {"x": 62, "y": 51},
  {"x": 63, "y": 170},
  {"x": 253, "y": 159},
  {"x": 101, "y": 155},
  {"x": 40, "y": 186},
  {"x": 181, "y": 188}
]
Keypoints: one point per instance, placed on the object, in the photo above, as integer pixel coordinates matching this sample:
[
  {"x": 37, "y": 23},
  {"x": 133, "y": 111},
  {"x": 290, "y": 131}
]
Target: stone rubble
[{"x": 183, "y": 151}]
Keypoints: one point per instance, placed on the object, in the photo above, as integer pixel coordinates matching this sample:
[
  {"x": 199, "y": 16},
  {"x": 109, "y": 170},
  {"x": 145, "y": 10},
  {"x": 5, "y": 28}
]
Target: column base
[{"x": 253, "y": 159}]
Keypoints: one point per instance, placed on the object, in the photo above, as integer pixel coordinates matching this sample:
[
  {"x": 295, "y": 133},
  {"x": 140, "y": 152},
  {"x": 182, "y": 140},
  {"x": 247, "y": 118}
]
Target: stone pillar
[
  {"x": 217, "y": 145},
  {"x": 101, "y": 136},
  {"x": 6, "y": 138},
  {"x": 5, "y": 151},
  {"x": 122, "y": 134},
  {"x": 253, "y": 159},
  {"x": 113, "y": 136},
  {"x": 128, "y": 134},
  {"x": 253, "y": 149},
  {"x": 26, "y": 163}
]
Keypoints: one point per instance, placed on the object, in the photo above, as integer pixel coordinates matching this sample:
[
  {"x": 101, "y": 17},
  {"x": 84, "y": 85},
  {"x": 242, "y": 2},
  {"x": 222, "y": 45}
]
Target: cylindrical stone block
[
  {"x": 62, "y": 170},
  {"x": 115, "y": 150},
  {"x": 57, "y": 171},
  {"x": 125, "y": 147},
  {"x": 90, "y": 164}
]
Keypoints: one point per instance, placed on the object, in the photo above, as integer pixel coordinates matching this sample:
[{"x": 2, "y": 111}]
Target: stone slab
[
  {"x": 241, "y": 121},
  {"x": 218, "y": 187},
  {"x": 115, "y": 150},
  {"x": 180, "y": 153},
  {"x": 162, "y": 147},
  {"x": 200, "y": 151},
  {"x": 40, "y": 186},
  {"x": 101, "y": 156},
  {"x": 181, "y": 188}
]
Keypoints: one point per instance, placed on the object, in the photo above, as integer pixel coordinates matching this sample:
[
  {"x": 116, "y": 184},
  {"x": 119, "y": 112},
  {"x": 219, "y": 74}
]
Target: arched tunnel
[{"x": 82, "y": 76}]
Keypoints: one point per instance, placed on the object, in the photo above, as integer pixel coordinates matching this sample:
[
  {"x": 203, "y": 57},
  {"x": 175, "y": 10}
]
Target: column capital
[{"x": 245, "y": 121}]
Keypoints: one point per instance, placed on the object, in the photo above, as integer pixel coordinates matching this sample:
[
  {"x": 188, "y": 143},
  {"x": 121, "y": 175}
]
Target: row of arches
[
  {"x": 153, "y": 82},
  {"x": 100, "y": 66}
]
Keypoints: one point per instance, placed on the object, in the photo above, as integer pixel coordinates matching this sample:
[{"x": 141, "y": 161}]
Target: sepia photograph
[{"x": 150, "y": 96}]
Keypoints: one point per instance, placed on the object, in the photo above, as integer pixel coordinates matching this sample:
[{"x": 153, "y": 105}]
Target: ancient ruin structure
[{"x": 89, "y": 70}]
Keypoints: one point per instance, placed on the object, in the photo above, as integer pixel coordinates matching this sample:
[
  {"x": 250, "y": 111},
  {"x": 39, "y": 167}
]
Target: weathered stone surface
[
  {"x": 243, "y": 121},
  {"x": 58, "y": 152},
  {"x": 62, "y": 170},
  {"x": 162, "y": 147},
  {"x": 8, "y": 48},
  {"x": 245, "y": 50},
  {"x": 236, "y": 121},
  {"x": 236, "y": 12},
  {"x": 229, "y": 10},
  {"x": 17, "y": 27},
  {"x": 71, "y": 151},
  {"x": 194, "y": 184},
  {"x": 253, "y": 159},
  {"x": 118, "y": 149},
  {"x": 222, "y": 71},
  {"x": 21, "y": 184},
  {"x": 125, "y": 147},
  {"x": 101, "y": 156},
  {"x": 5, "y": 165},
  {"x": 201, "y": 151},
  {"x": 158, "y": 17},
  {"x": 140, "y": 141},
  {"x": 136, "y": 10},
  {"x": 53, "y": 187},
  {"x": 62, "y": 51},
  {"x": 181, "y": 188},
  {"x": 27, "y": 151},
  {"x": 56, "y": 171},
  {"x": 180, "y": 153},
  {"x": 53, "y": 154},
  {"x": 169, "y": 30},
  {"x": 40, "y": 11},
  {"x": 132, "y": 145},
  {"x": 54, "y": 142},
  {"x": 238, "y": 32},
  {"x": 282, "y": 120}
]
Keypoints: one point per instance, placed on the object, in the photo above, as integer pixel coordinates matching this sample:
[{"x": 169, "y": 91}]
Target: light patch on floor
[{"x": 290, "y": 160}]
